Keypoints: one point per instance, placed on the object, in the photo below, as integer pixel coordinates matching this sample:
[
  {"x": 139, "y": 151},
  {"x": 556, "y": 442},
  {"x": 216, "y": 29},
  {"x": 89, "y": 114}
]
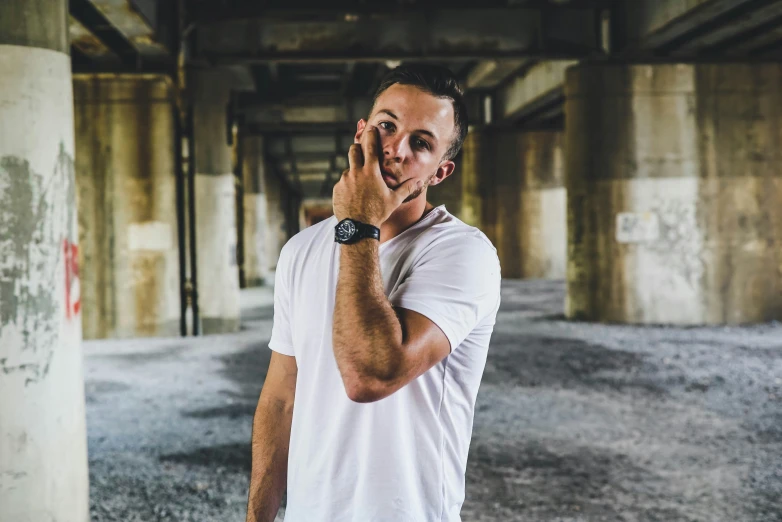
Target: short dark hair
[{"x": 438, "y": 81}]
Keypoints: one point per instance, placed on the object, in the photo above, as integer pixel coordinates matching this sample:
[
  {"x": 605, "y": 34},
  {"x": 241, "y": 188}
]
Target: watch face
[{"x": 345, "y": 229}]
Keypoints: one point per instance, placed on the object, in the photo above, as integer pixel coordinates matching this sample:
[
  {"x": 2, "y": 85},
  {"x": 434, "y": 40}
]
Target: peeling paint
[
  {"x": 680, "y": 241},
  {"x": 36, "y": 215}
]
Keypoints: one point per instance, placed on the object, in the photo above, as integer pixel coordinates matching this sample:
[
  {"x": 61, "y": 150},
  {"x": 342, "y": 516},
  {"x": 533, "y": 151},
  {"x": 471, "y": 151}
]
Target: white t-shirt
[{"x": 403, "y": 458}]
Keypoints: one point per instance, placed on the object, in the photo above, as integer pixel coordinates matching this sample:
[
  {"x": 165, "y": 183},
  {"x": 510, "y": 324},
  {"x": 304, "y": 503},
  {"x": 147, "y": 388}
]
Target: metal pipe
[
  {"x": 191, "y": 166},
  {"x": 238, "y": 181},
  {"x": 180, "y": 218}
]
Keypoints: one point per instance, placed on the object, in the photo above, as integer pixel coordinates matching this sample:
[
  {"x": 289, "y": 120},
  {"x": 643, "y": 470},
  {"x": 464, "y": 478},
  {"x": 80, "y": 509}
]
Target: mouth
[{"x": 388, "y": 178}]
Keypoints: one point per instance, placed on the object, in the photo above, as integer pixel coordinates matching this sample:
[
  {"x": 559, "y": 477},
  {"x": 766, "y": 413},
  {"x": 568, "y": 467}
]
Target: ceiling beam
[
  {"x": 209, "y": 12},
  {"x": 533, "y": 93},
  {"x": 89, "y": 45},
  {"x": 94, "y": 21},
  {"x": 133, "y": 25},
  {"x": 437, "y": 34},
  {"x": 301, "y": 128},
  {"x": 743, "y": 27},
  {"x": 490, "y": 73},
  {"x": 687, "y": 24}
]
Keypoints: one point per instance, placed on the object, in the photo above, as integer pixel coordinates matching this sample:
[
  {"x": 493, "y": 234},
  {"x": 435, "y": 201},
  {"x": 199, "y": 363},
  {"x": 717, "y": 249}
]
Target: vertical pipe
[
  {"x": 191, "y": 166},
  {"x": 177, "y": 12},
  {"x": 238, "y": 177},
  {"x": 180, "y": 218}
]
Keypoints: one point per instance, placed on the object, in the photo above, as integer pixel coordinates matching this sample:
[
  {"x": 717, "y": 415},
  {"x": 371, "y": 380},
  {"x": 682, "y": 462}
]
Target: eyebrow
[{"x": 421, "y": 131}]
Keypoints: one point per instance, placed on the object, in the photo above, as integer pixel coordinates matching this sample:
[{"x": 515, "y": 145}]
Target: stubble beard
[{"x": 419, "y": 191}]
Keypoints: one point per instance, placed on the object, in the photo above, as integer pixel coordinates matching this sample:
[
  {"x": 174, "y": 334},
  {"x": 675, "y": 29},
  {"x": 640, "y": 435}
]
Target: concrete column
[
  {"x": 512, "y": 189},
  {"x": 43, "y": 442},
  {"x": 127, "y": 205},
  {"x": 472, "y": 171},
  {"x": 218, "y": 275},
  {"x": 501, "y": 175},
  {"x": 543, "y": 220},
  {"x": 255, "y": 220},
  {"x": 674, "y": 180},
  {"x": 277, "y": 202}
]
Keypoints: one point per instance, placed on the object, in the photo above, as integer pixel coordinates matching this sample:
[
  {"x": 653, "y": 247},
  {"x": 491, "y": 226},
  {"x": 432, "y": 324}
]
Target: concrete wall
[
  {"x": 674, "y": 179},
  {"x": 43, "y": 442},
  {"x": 127, "y": 205}
]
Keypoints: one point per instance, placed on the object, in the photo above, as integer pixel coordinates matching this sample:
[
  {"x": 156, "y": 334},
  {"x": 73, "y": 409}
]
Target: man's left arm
[{"x": 378, "y": 348}]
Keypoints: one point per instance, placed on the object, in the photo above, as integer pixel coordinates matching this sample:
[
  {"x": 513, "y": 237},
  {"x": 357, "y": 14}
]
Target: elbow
[{"x": 364, "y": 390}]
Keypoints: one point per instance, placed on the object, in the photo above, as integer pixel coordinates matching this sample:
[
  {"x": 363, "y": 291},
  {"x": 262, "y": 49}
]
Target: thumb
[{"x": 407, "y": 188}]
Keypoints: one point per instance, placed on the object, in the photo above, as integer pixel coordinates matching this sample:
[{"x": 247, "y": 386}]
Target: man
[{"x": 382, "y": 320}]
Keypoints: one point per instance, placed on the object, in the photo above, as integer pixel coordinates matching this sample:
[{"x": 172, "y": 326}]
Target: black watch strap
[{"x": 364, "y": 231}]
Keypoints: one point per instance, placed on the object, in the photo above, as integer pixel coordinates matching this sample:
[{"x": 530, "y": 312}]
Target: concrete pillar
[
  {"x": 472, "y": 171},
  {"x": 674, "y": 180},
  {"x": 127, "y": 205},
  {"x": 277, "y": 202},
  {"x": 218, "y": 275},
  {"x": 255, "y": 220},
  {"x": 501, "y": 175},
  {"x": 543, "y": 220},
  {"x": 43, "y": 441}
]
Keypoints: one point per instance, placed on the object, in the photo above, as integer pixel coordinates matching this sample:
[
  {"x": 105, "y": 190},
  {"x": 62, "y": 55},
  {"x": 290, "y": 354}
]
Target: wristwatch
[{"x": 349, "y": 231}]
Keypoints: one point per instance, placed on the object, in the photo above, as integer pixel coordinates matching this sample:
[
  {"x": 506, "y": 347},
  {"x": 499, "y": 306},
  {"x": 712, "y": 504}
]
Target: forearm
[
  {"x": 367, "y": 334},
  {"x": 270, "y": 442}
]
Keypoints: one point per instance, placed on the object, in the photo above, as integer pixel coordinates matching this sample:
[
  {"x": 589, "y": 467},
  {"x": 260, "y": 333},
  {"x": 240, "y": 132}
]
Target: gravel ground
[{"x": 574, "y": 422}]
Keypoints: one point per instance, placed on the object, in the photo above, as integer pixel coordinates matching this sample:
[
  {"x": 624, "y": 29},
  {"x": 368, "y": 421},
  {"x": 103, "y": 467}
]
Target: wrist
[{"x": 349, "y": 231}]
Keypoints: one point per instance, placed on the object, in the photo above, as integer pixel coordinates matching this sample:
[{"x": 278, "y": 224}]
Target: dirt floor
[{"x": 574, "y": 422}]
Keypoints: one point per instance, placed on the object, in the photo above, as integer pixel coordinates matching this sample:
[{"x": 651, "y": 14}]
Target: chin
[{"x": 414, "y": 195}]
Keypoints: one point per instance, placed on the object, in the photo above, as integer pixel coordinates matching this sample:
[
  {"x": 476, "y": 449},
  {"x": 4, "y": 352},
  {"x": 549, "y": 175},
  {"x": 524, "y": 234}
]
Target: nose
[{"x": 395, "y": 147}]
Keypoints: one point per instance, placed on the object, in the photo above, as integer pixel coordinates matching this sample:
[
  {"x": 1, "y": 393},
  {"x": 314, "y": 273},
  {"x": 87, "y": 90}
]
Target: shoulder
[
  {"x": 305, "y": 239},
  {"x": 450, "y": 238}
]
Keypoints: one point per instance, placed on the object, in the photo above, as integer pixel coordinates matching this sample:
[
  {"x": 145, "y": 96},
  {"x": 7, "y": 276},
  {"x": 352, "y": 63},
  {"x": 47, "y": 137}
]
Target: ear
[
  {"x": 445, "y": 169},
  {"x": 360, "y": 126}
]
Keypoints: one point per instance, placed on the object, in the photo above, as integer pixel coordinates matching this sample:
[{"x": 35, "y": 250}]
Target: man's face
[{"x": 415, "y": 130}]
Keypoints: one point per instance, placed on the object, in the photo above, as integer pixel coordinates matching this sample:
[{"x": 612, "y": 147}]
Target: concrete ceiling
[{"x": 307, "y": 69}]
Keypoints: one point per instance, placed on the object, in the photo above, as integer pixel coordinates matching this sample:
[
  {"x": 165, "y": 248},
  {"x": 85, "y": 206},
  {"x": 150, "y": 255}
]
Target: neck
[{"x": 407, "y": 215}]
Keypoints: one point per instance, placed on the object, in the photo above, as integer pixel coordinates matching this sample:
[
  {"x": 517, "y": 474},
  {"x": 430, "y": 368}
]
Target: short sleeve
[
  {"x": 281, "y": 340},
  {"x": 455, "y": 283}
]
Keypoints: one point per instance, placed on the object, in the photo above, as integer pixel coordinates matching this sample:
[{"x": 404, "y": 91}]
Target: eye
[
  {"x": 386, "y": 125},
  {"x": 421, "y": 144}
]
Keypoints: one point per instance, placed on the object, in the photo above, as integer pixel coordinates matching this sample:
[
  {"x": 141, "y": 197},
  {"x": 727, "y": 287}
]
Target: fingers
[
  {"x": 406, "y": 189},
  {"x": 355, "y": 156},
  {"x": 369, "y": 144}
]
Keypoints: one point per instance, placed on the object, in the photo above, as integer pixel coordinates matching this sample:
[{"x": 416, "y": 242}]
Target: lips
[{"x": 388, "y": 176}]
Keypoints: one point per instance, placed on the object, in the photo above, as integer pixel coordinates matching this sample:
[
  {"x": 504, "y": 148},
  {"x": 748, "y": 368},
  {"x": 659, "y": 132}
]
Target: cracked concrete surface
[{"x": 574, "y": 421}]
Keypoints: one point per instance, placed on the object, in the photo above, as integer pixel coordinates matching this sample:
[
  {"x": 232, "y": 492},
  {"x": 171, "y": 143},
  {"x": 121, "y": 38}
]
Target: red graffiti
[{"x": 72, "y": 290}]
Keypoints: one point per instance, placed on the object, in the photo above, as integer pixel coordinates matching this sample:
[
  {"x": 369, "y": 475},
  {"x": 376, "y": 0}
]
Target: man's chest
[{"x": 314, "y": 288}]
